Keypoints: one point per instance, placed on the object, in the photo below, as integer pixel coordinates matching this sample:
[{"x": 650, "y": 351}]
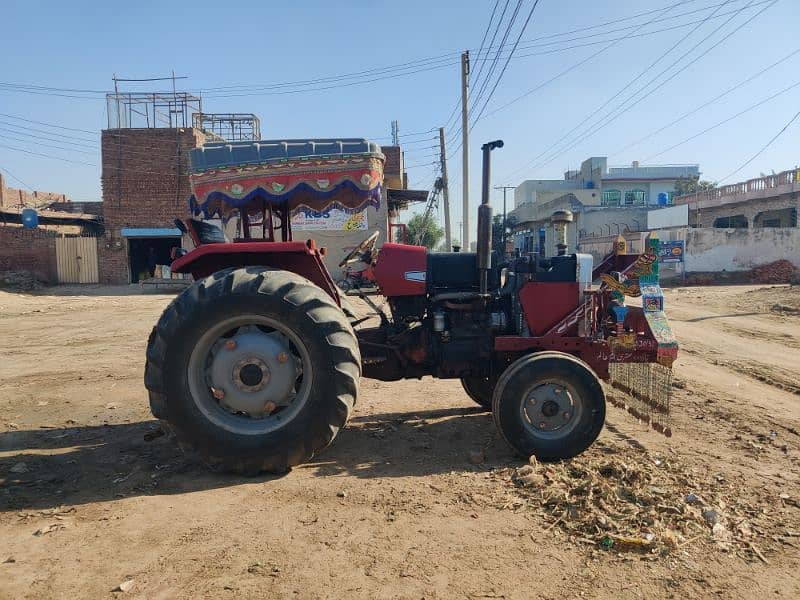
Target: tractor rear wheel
[
  {"x": 550, "y": 405},
  {"x": 255, "y": 369},
  {"x": 479, "y": 389}
]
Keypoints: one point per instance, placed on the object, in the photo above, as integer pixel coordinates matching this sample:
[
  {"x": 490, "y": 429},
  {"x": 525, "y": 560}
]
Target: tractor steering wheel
[{"x": 363, "y": 252}]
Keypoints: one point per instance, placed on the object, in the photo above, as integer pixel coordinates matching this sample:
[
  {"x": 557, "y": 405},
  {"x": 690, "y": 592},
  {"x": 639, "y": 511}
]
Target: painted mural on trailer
[{"x": 332, "y": 219}]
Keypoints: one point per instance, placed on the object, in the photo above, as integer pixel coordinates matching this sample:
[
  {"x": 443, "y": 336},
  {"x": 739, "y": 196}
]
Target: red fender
[{"x": 296, "y": 257}]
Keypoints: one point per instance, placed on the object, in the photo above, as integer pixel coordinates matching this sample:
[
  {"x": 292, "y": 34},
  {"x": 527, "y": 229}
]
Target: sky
[{"x": 588, "y": 78}]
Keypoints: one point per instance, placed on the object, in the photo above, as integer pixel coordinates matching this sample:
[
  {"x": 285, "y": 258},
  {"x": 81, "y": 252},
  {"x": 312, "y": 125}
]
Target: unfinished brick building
[{"x": 145, "y": 181}]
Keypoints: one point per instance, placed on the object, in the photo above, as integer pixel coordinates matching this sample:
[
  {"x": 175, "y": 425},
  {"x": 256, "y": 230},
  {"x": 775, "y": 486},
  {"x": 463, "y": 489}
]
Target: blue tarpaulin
[{"x": 150, "y": 232}]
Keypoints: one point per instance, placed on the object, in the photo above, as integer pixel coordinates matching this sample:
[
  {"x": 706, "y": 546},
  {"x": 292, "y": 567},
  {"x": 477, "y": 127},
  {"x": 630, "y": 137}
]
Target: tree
[
  {"x": 433, "y": 234},
  {"x": 497, "y": 232},
  {"x": 692, "y": 184}
]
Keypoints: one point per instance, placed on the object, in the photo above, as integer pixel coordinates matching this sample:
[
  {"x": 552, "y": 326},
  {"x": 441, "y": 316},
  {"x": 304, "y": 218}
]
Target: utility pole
[
  {"x": 445, "y": 193},
  {"x": 504, "y": 188},
  {"x": 465, "y": 149}
]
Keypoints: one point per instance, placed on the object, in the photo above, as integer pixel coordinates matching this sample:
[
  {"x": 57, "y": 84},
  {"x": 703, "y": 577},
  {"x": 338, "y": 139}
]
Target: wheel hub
[
  {"x": 549, "y": 408},
  {"x": 250, "y": 374},
  {"x": 253, "y": 372}
]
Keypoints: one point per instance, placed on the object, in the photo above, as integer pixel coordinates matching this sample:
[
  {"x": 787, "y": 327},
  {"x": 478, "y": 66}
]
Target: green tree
[
  {"x": 424, "y": 232},
  {"x": 497, "y": 232},
  {"x": 692, "y": 184}
]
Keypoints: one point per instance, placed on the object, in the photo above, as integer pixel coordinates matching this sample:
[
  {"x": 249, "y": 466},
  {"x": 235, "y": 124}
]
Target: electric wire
[
  {"x": 685, "y": 115},
  {"x": 763, "y": 148},
  {"x": 627, "y": 104},
  {"x": 621, "y": 91},
  {"x": 727, "y": 120}
]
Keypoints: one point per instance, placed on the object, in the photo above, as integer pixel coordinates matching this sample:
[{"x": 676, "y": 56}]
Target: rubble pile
[
  {"x": 623, "y": 499},
  {"x": 779, "y": 271},
  {"x": 22, "y": 281}
]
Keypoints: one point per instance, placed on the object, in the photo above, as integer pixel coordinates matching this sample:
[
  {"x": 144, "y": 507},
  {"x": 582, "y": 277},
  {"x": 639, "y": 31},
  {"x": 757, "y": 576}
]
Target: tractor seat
[{"x": 206, "y": 233}]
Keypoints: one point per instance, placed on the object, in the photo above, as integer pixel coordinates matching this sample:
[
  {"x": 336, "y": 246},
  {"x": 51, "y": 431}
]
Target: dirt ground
[{"x": 91, "y": 496}]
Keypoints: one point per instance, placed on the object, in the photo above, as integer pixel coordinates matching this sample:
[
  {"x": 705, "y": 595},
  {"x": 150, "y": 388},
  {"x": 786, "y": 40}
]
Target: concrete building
[
  {"x": 606, "y": 200},
  {"x": 767, "y": 201}
]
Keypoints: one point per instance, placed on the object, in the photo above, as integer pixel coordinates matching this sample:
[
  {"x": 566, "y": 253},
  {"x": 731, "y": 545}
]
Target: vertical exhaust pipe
[
  {"x": 561, "y": 219},
  {"x": 484, "y": 245}
]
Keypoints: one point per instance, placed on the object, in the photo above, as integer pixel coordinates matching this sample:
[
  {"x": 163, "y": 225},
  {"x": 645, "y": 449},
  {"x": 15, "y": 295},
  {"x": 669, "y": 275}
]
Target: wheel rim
[
  {"x": 551, "y": 409},
  {"x": 250, "y": 374}
]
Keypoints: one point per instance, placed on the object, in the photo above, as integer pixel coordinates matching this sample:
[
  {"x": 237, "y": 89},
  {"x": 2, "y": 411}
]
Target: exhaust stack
[
  {"x": 484, "y": 245},
  {"x": 560, "y": 220}
]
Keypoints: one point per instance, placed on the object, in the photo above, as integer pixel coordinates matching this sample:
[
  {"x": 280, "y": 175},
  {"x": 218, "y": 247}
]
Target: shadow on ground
[{"x": 48, "y": 468}]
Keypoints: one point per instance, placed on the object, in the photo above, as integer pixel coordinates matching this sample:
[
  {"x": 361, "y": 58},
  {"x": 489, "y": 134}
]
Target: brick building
[
  {"x": 145, "y": 184},
  {"x": 28, "y": 250},
  {"x": 12, "y": 197}
]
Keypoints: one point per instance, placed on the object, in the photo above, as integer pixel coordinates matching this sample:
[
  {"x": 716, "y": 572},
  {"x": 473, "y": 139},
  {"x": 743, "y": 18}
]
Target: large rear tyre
[
  {"x": 254, "y": 369},
  {"x": 480, "y": 390},
  {"x": 550, "y": 405}
]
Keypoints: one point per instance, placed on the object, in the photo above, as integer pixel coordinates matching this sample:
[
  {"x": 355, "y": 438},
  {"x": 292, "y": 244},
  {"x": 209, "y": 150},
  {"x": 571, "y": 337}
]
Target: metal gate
[{"x": 76, "y": 259}]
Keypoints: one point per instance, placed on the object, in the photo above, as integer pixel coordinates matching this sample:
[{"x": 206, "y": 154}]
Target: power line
[
  {"x": 707, "y": 103},
  {"x": 23, "y": 140},
  {"x": 623, "y": 107},
  {"x": 81, "y": 144},
  {"x": 724, "y": 121},
  {"x": 503, "y": 70},
  {"x": 621, "y": 91},
  {"x": 48, "y": 156},
  {"x": 483, "y": 40},
  {"x": 477, "y": 98},
  {"x": 609, "y": 43},
  {"x": 763, "y": 148},
  {"x": 474, "y": 83},
  {"x": 10, "y": 174},
  {"x": 46, "y": 124}
]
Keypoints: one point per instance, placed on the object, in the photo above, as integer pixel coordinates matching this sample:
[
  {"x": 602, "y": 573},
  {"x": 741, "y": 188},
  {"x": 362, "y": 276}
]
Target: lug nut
[
  {"x": 282, "y": 357},
  {"x": 566, "y": 415},
  {"x": 230, "y": 345},
  {"x": 542, "y": 425},
  {"x": 269, "y": 407},
  {"x": 218, "y": 394}
]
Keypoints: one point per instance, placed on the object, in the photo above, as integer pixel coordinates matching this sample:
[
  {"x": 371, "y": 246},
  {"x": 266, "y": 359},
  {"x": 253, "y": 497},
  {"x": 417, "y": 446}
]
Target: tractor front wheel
[
  {"x": 255, "y": 369},
  {"x": 550, "y": 405},
  {"x": 479, "y": 389}
]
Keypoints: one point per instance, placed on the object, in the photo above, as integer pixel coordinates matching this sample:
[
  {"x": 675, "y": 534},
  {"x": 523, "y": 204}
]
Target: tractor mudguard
[{"x": 297, "y": 257}]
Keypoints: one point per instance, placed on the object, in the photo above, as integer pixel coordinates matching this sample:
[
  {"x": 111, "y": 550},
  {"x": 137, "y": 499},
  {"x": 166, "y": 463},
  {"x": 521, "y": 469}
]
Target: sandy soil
[{"x": 91, "y": 496}]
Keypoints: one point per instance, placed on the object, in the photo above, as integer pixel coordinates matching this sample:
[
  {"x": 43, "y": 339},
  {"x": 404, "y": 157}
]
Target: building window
[
  {"x": 635, "y": 197},
  {"x": 611, "y": 198},
  {"x": 732, "y": 222}
]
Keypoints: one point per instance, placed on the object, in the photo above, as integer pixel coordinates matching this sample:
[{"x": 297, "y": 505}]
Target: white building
[{"x": 605, "y": 200}]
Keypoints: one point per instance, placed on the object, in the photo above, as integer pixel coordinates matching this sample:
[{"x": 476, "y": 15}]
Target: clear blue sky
[{"x": 80, "y": 44}]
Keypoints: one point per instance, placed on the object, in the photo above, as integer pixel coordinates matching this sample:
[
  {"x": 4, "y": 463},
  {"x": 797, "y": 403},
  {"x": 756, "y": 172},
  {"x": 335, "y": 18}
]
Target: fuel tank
[{"x": 401, "y": 269}]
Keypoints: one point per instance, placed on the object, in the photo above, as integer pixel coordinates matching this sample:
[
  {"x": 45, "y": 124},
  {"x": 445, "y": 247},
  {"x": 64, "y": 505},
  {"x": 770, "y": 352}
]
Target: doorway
[{"x": 144, "y": 253}]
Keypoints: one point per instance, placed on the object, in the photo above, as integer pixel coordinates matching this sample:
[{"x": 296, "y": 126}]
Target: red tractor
[{"x": 256, "y": 366}]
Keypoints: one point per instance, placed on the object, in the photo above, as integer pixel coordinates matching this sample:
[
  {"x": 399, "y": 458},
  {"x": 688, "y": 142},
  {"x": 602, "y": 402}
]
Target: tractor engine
[{"x": 441, "y": 323}]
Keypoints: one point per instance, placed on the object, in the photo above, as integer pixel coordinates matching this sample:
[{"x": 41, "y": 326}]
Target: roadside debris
[
  {"x": 623, "y": 500},
  {"x": 49, "y": 529},
  {"x": 779, "y": 271},
  {"x": 125, "y": 586},
  {"x": 21, "y": 281}
]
